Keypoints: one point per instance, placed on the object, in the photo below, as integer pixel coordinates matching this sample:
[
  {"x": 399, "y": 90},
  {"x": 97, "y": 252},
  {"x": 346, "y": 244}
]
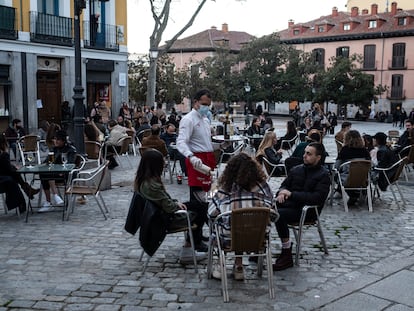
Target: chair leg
[
  {"x": 190, "y": 234},
  {"x": 223, "y": 276},
  {"x": 269, "y": 269},
  {"x": 100, "y": 207},
  {"x": 401, "y": 195},
  {"x": 322, "y": 237}
]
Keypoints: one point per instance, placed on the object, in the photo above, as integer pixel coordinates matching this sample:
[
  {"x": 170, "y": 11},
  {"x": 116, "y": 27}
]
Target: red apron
[{"x": 195, "y": 178}]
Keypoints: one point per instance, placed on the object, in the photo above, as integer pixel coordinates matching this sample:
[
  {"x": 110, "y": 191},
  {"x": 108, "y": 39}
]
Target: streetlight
[
  {"x": 247, "y": 89},
  {"x": 152, "y": 76},
  {"x": 78, "y": 97}
]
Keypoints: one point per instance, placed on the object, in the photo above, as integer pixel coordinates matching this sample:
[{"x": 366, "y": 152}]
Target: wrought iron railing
[
  {"x": 8, "y": 28},
  {"x": 396, "y": 93},
  {"x": 398, "y": 62},
  {"x": 100, "y": 36},
  {"x": 48, "y": 28}
]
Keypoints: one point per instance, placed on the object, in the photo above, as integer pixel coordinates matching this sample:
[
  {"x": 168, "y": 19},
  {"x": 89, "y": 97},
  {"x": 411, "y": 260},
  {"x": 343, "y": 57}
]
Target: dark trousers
[
  {"x": 14, "y": 196},
  {"x": 199, "y": 207}
]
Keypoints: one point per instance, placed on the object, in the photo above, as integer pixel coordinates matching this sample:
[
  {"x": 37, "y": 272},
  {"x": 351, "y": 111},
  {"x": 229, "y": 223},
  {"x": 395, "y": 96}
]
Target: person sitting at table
[
  {"x": 306, "y": 184},
  {"x": 267, "y": 149},
  {"x": 13, "y": 133},
  {"x": 10, "y": 179},
  {"x": 154, "y": 140},
  {"x": 255, "y": 130},
  {"x": 304, "y": 128},
  {"x": 149, "y": 184},
  {"x": 290, "y": 134},
  {"x": 242, "y": 184},
  {"x": 405, "y": 139},
  {"x": 116, "y": 134},
  {"x": 385, "y": 158},
  {"x": 297, "y": 155},
  {"x": 353, "y": 148},
  {"x": 48, "y": 180},
  {"x": 170, "y": 139}
]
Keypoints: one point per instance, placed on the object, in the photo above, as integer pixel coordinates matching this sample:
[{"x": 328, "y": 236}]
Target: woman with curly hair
[{"x": 242, "y": 184}]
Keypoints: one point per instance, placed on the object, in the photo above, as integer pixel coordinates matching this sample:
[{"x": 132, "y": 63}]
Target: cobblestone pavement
[{"x": 88, "y": 263}]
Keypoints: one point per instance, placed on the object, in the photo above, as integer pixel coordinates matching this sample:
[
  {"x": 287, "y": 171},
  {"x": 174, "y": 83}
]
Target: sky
[{"x": 256, "y": 17}]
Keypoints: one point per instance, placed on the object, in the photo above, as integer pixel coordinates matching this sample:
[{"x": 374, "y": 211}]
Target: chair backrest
[
  {"x": 289, "y": 143},
  {"x": 358, "y": 175},
  {"x": 400, "y": 167},
  {"x": 126, "y": 141},
  {"x": 393, "y": 134},
  {"x": 339, "y": 145},
  {"x": 143, "y": 133},
  {"x": 93, "y": 149},
  {"x": 410, "y": 156},
  {"x": 248, "y": 229},
  {"x": 30, "y": 143}
]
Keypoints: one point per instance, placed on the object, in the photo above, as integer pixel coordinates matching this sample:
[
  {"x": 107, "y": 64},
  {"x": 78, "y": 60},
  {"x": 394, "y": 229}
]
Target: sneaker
[
  {"x": 46, "y": 207},
  {"x": 187, "y": 255},
  {"x": 238, "y": 273},
  {"x": 81, "y": 200},
  {"x": 216, "y": 272},
  {"x": 57, "y": 200}
]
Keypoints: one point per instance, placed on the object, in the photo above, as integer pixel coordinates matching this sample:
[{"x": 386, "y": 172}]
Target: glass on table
[
  {"x": 30, "y": 158},
  {"x": 50, "y": 158},
  {"x": 64, "y": 157}
]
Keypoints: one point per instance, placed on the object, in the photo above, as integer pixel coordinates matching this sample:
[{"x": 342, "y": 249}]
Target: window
[
  {"x": 320, "y": 29},
  {"x": 195, "y": 71},
  {"x": 342, "y": 51},
  {"x": 296, "y": 32},
  {"x": 397, "y": 86},
  {"x": 398, "y": 55},
  {"x": 369, "y": 56},
  {"x": 372, "y": 24},
  {"x": 48, "y": 7},
  {"x": 347, "y": 26},
  {"x": 319, "y": 57},
  {"x": 402, "y": 21}
]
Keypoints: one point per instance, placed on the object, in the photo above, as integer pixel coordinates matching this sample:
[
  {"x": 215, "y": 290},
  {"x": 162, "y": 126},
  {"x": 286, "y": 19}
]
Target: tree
[{"x": 161, "y": 13}]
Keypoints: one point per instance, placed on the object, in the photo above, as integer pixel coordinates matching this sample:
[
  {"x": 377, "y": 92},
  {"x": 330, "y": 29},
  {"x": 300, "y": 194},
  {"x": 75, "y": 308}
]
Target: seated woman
[
  {"x": 61, "y": 146},
  {"x": 149, "y": 184},
  {"x": 305, "y": 128},
  {"x": 353, "y": 148},
  {"x": 255, "y": 130},
  {"x": 242, "y": 184},
  {"x": 10, "y": 179},
  {"x": 267, "y": 150},
  {"x": 290, "y": 134}
]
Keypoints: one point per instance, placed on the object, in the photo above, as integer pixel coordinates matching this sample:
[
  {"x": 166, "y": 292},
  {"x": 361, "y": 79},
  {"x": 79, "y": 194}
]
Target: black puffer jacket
[{"x": 309, "y": 185}]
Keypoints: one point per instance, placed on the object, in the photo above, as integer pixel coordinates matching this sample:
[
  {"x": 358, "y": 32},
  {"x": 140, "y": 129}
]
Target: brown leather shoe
[
  {"x": 30, "y": 192},
  {"x": 285, "y": 260}
]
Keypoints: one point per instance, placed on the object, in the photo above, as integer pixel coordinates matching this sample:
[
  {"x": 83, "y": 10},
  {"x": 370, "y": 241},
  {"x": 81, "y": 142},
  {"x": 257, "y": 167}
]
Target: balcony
[
  {"x": 8, "y": 23},
  {"x": 396, "y": 94},
  {"x": 397, "y": 62},
  {"x": 100, "y": 37},
  {"x": 52, "y": 29}
]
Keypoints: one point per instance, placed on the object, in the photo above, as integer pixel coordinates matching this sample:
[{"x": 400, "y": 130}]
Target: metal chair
[
  {"x": 124, "y": 149},
  {"x": 339, "y": 145},
  {"x": 358, "y": 178},
  {"x": 290, "y": 143},
  {"x": 29, "y": 145},
  {"x": 297, "y": 229},
  {"x": 249, "y": 234},
  {"x": 224, "y": 154},
  {"x": 410, "y": 158},
  {"x": 392, "y": 178},
  {"x": 271, "y": 168},
  {"x": 167, "y": 163},
  {"x": 84, "y": 186},
  {"x": 134, "y": 141},
  {"x": 93, "y": 151}
]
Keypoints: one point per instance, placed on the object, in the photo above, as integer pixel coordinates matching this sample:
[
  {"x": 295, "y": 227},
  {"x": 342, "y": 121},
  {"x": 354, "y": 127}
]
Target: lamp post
[
  {"x": 152, "y": 76},
  {"x": 78, "y": 97},
  {"x": 247, "y": 89}
]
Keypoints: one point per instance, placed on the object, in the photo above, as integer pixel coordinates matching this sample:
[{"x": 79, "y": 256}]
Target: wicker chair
[
  {"x": 249, "y": 234},
  {"x": 29, "y": 145}
]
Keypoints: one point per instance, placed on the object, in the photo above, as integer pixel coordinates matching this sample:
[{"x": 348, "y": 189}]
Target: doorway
[{"x": 49, "y": 92}]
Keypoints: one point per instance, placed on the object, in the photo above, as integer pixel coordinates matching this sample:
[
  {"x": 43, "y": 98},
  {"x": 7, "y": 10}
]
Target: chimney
[
  {"x": 225, "y": 28},
  {"x": 290, "y": 23},
  {"x": 365, "y": 11},
  {"x": 354, "y": 11},
  {"x": 374, "y": 9},
  {"x": 213, "y": 27},
  {"x": 335, "y": 11},
  {"x": 394, "y": 8}
]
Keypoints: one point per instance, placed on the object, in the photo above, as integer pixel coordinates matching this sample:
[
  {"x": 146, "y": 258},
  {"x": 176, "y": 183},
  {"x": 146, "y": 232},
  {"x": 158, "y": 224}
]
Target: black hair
[
  {"x": 150, "y": 167},
  {"x": 320, "y": 150},
  {"x": 201, "y": 93}
]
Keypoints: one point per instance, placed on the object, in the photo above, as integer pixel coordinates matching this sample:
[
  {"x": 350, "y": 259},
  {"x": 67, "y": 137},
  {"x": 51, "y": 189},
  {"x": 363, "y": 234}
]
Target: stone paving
[{"x": 88, "y": 263}]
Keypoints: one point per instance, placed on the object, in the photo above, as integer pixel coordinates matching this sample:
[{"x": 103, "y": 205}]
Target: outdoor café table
[
  {"x": 232, "y": 138},
  {"x": 48, "y": 172}
]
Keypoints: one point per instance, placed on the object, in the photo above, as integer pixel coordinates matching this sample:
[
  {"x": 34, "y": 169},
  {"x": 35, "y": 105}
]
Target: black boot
[
  {"x": 30, "y": 192},
  {"x": 285, "y": 260}
]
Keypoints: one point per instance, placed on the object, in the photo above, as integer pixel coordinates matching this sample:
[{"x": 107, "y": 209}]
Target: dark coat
[
  {"x": 309, "y": 186},
  {"x": 153, "y": 223}
]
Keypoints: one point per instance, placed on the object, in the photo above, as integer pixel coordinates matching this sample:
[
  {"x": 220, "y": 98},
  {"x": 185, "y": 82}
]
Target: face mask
[{"x": 204, "y": 110}]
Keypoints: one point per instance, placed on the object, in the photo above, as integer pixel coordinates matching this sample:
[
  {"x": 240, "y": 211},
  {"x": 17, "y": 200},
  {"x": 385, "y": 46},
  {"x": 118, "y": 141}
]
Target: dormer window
[
  {"x": 347, "y": 26},
  {"x": 372, "y": 24},
  {"x": 296, "y": 32},
  {"x": 402, "y": 21},
  {"x": 321, "y": 29}
]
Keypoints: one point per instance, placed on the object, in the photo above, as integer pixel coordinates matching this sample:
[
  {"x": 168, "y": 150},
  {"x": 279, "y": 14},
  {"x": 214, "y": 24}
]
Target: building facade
[
  {"x": 383, "y": 5},
  {"x": 383, "y": 39},
  {"x": 37, "y": 59}
]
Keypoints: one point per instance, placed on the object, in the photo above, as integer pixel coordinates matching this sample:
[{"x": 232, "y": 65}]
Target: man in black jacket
[{"x": 306, "y": 184}]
